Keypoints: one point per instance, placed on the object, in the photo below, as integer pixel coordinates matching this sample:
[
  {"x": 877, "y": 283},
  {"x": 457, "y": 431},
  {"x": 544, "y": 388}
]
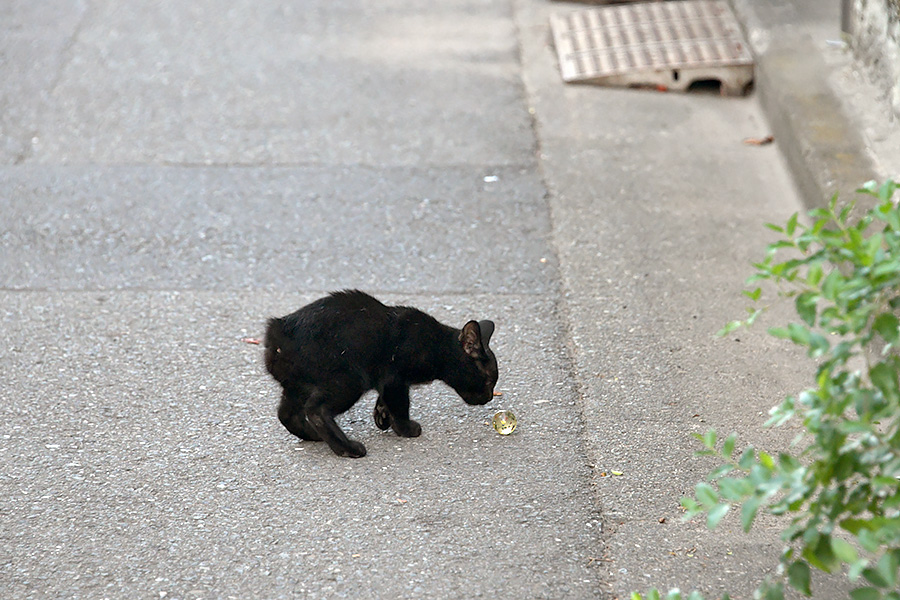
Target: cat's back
[
  {"x": 347, "y": 314},
  {"x": 341, "y": 333}
]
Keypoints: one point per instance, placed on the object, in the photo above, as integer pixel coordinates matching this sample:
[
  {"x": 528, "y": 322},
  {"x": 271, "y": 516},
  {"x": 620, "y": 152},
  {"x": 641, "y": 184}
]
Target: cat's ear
[
  {"x": 487, "y": 330},
  {"x": 470, "y": 337}
]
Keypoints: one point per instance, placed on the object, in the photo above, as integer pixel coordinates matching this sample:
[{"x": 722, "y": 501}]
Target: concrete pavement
[
  {"x": 657, "y": 211},
  {"x": 834, "y": 126},
  {"x": 174, "y": 174}
]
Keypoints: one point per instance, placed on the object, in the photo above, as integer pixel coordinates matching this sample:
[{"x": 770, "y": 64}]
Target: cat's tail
[{"x": 277, "y": 349}]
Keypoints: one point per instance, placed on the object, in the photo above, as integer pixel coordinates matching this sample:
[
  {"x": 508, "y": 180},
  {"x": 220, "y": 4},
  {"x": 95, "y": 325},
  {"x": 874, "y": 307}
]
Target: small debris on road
[{"x": 763, "y": 141}]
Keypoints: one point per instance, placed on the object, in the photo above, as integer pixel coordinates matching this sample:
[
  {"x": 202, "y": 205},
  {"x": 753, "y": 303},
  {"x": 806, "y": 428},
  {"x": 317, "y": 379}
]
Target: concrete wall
[{"x": 874, "y": 30}]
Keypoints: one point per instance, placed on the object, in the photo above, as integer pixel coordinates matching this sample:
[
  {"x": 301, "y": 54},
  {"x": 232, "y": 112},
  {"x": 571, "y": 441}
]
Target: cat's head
[{"x": 477, "y": 386}]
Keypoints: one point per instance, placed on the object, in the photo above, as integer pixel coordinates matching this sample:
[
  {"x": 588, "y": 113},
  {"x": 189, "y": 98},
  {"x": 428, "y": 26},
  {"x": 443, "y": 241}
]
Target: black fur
[{"x": 330, "y": 352}]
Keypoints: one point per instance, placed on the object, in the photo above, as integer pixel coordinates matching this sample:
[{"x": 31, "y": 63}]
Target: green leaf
[
  {"x": 818, "y": 345},
  {"x": 844, "y": 550},
  {"x": 887, "y": 568},
  {"x": 820, "y": 555},
  {"x": 892, "y": 501},
  {"x": 885, "y": 379},
  {"x": 888, "y": 327},
  {"x": 854, "y": 526},
  {"x": 806, "y": 307},
  {"x": 791, "y": 225},
  {"x": 754, "y": 314},
  {"x": 856, "y": 239},
  {"x": 716, "y": 514},
  {"x": 880, "y": 481},
  {"x": 706, "y": 495},
  {"x": 730, "y": 327},
  {"x": 728, "y": 445},
  {"x": 720, "y": 471},
  {"x": 734, "y": 489},
  {"x": 773, "y": 591},
  {"x": 872, "y": 246},
  {"x": 893, "y": 218},
  {"x": 856, "y": 569},
  {"x": 748, "y": 458},
  {"x": 869, "y": 187},
  {"x": 778, "y": 268},
  {"x": 779, "y": 332},
  {"x": 832, "y": 284},
  {"x": 832, "y": 204},
  {"x": 708, "y": 439},
  {"x": 691, "y": 507},
  {"x": 799, "y": 334},
  {"x": 868, "y": 540},
  {"x": 886, "y": 190},
  {"x": 748, "y": 512},
  {"x": 753, "y": 295},
  {"x": 799, "y": 577},
  {"x": 820, "y": 214},
  {"x": 866, "y": 593},
  {"x": 815, "y": 274},
  {"x": 875, "y": 577},
  {"x": 888, "y": 268}
]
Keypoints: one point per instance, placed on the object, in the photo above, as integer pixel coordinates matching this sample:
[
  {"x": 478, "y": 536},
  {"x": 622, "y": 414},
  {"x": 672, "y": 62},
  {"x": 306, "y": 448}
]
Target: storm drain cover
[{"x": 667, "y": 45}]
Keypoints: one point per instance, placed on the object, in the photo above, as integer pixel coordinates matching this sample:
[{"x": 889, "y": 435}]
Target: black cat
[{"x": 330, "y": 352}]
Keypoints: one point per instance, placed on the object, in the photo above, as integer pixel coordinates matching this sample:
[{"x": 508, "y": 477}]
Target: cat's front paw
[
  {"x": 382, "y": 417},
  {"x": 407, "y": 429},
  {"x": 354, "y": 450}
]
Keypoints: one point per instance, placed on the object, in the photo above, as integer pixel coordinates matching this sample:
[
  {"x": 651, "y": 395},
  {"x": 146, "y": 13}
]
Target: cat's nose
[{"x": 480, "y": 399}]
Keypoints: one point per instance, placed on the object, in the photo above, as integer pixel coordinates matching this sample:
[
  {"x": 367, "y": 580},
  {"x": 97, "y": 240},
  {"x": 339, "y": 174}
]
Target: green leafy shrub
[{"x": 841, "y": 490}]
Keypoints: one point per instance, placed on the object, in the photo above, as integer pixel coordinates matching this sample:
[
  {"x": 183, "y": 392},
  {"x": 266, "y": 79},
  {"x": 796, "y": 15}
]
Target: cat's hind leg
[
  {"x": 321, "y": 417},
  {"x": 292, "y": 414}
]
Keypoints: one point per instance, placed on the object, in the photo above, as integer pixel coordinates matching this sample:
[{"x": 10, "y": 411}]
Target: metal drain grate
[{"x": 661, "y": 44}]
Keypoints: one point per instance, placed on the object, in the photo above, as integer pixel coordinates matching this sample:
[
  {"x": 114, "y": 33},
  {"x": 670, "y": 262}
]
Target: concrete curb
[{"x": 819, "y": 139}]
